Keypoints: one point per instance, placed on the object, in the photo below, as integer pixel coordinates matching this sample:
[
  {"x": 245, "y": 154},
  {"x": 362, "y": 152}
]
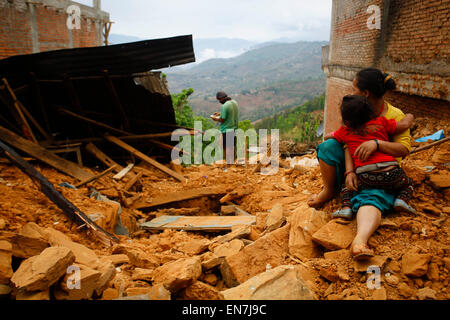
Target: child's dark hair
[
  {"x": 356, "y": 111},
  {"x": 375, "y": 81}
]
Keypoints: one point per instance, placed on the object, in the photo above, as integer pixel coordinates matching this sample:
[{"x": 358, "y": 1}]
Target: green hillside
[
  {"x": 264, "y": 81},
  {"x": 298, "y": 124}
]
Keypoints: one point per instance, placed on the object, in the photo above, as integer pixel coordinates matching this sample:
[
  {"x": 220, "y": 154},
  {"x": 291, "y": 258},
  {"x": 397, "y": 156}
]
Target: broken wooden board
[
  {"x": 100, "y": 155},
  {"x": 57, "y": 198},
  {"x": 44, "y": 155},
  {"x": 123, "y": 172},
  {"x": 204, "y": 223},
  {"x": 180, "y": 196},
  {"x": 145, "y": 158}
]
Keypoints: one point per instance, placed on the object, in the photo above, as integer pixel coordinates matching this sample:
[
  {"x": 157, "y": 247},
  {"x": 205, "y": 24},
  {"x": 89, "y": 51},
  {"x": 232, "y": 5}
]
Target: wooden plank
[
  {"x": 430, "y": 145},
  {"x": 180, "y": 196},
  {"x": 90, "y": 121},
  {"x": 98, "y": 176},
  {"x": 238, "y": 211},
  {"x": 115, "y": 99},
  {"x": 153, "y": 136},
  {"x": 100, "y": 155},
  {"x": 35, "y": 123},
  {"x": 44, "y": 155},
  {"x": 57, "y": 198},
  {"x": 133, "y": 181},
  {"x": 25, "y": 126},
  {"x": 123, "y": 172},
  {"x": 203, "y": 223},
  {"x": 145, "y": 158},
  {"x": 167, "y": 146}
]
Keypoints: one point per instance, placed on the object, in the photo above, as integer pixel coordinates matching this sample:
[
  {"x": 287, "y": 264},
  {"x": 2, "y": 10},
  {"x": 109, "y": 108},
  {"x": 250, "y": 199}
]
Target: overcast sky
[{"x": 255, "y": 20}]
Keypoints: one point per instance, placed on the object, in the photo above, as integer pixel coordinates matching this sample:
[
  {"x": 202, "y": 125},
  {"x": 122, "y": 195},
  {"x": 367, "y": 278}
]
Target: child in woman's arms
[{"x": 379, "y": 171}]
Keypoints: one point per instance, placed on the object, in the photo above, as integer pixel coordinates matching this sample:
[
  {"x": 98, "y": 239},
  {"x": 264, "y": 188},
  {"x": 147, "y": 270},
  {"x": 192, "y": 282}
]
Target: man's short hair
[{"x": 221, "y": 95}]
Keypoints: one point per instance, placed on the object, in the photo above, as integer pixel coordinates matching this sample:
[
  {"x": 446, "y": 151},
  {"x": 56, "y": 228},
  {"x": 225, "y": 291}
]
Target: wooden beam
[
  {"x": 123, "y": 172},
  {"x": 44, "y": 155},
  {"x": 132, "y": 181},
  {"x": 430, "y": 145},
  {"x": 74, "y": 99},
  {"x": 98, "y": 176},
  {"x": 145, "y": 158},
  {"x": 153, "y": 136},
  {"x": 57, "y": 198},
  {"x": 36, "y": 89},
  {"x": 204, "y": 223},
  {"x": 115, "y": 99},
  {"x": 35, "y": 123},
  {"x": 90, "y": 121},
  {"x": 180, "y": 196},
  {"x": 167, "y": 146},
  {"x": 103, "y": 158},
  {"x": 25, "y": 126}
]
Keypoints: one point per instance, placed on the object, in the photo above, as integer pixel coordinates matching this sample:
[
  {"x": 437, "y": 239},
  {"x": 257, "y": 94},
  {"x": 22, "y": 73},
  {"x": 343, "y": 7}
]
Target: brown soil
[{"x": 427, "y": 232}]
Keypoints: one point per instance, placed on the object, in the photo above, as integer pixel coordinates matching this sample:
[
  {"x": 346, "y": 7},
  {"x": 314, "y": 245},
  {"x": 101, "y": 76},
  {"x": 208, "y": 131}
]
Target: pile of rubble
[{"x": 263, "y": 243}]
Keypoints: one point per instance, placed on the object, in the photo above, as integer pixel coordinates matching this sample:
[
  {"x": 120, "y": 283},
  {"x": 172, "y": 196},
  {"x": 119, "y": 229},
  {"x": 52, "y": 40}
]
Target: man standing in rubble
[{"x": 229, "y": 120}]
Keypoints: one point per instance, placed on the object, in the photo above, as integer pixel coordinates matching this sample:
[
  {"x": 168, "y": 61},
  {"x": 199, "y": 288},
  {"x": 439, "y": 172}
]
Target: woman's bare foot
[
  {"x": 318, "y": 200},
  {"x": 360, "y": 250}
]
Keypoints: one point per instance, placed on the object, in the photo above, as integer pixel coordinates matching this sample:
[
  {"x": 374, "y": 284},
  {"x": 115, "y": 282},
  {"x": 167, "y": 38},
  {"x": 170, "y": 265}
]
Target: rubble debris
[
  {"x": 188, "y": 194},
  {"x": 6, "y": 271},
  {"x": 335, "y": 236},
  {"x": 271, "y": 249},
  {"x": 415, "y": 265},
  {"x": 199, "y": 291},
  {"x": 280, "y": 283},
  {"x": 42, "y": 154},
  {"x": 204, "y": 223},
  {"x": 40, "y": 272},
  {"x": 69, "y": 209},
  {"x": 178, "y": 274},
  {"x": 130, "y": 267},
  {"x": 145, "y": 158},
  {"x": 78, "y": 291},
  {"x": 98, "y": 176},
  {"x": 305, "y": 222}
]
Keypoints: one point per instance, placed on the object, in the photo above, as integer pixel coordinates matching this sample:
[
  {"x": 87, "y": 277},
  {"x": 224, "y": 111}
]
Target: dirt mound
[{"x": 411, "y": 251}]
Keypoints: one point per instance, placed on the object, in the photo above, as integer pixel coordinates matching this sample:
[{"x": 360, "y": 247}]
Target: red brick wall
[
  {"x": 418, "y": 31},
  {"x": 420, "y": 106},
  {"x": 336, "y": 90},
  {"x": 53, "y": 34},
  {"x": 87, "y": 35},
  {"x": 52, "y": 28},
  {"x": 352, "y": 42},
  {"x": 15, "y": 35}
]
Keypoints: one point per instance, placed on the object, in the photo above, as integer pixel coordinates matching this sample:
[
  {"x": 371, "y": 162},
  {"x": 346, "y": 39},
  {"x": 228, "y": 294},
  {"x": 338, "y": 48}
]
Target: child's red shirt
[{"x": 379, "y": 129}]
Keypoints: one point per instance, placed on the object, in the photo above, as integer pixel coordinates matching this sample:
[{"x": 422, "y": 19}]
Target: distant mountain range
[
  {"x": 265, "y": 78},
  {"x": 264, "y": 81}
]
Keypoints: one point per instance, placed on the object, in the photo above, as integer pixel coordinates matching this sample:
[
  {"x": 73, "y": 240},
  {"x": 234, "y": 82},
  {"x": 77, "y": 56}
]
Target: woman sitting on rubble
[{"x": 371, "y": 203}]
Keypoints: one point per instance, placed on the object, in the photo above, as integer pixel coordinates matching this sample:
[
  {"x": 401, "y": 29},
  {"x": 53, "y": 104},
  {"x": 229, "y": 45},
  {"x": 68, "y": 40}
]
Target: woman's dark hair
[
  {"x": 356, "y": 111},
  {"x": 375, "y": 81}
]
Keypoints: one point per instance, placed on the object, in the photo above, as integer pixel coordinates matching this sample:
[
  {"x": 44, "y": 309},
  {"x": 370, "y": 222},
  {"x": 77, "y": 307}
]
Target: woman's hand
[
  {"x": 351, "y": 182},
  {"x": 365, "y": 150}
]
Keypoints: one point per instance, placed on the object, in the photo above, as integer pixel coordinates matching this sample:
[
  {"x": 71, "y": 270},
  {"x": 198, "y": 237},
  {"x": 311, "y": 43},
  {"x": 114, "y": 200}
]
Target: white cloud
[
  {"x": 256, "y": 20},
  {"x": 210, "y": 53}
]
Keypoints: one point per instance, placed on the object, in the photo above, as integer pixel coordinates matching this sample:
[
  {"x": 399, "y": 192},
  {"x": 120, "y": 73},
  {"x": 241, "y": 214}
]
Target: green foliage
[
  {"x": 300, "y": 123},
  {"x": 245, "y": 125}
]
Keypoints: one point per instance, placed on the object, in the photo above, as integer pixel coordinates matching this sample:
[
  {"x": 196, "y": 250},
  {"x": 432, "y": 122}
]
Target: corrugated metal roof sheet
[{"x": 125, "y": 58}]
